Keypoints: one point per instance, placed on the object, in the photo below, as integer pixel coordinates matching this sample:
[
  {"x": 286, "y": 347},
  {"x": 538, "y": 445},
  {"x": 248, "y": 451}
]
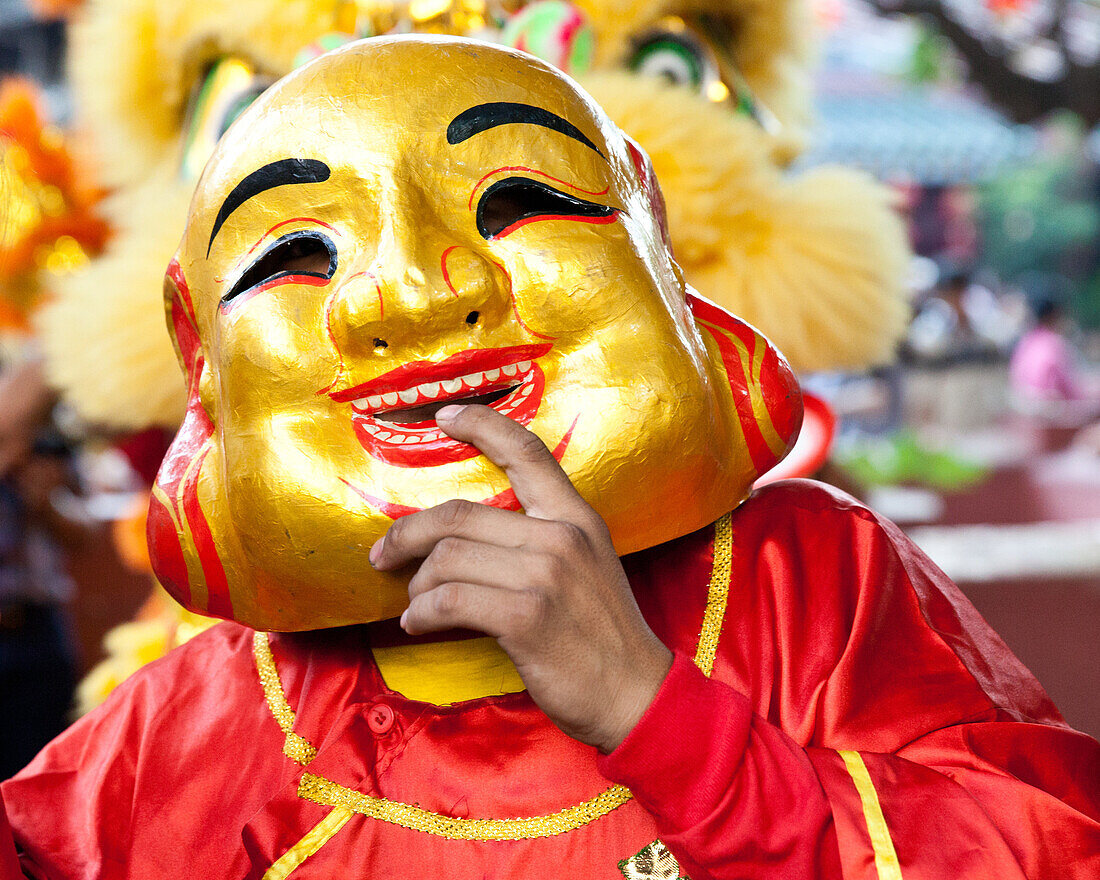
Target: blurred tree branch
[{"x": 996, "y": 66}]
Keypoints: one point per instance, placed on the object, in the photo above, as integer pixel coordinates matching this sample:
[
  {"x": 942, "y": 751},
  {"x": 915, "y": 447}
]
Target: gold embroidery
[
  {"x": 718, "y": 591},
  {"x": 327, "y": 793},
  {"x": 294, "y": 747},
  {"x": 655, "y": 862},
  {"x": 886, "y": 858},
  {"x": 321, "y": 834},
  {"x": 322, "y": 791}
]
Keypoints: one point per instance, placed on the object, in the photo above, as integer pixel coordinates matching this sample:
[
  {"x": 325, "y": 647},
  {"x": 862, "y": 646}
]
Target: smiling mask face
[{"x": 411, "y": 222}]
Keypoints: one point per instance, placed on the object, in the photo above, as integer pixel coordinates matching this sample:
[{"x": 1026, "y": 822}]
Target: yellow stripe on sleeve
[{"x": 886, "y": 858}]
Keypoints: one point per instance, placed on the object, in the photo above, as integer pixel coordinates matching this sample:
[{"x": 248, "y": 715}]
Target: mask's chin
[{"x": 426, "y": 412}]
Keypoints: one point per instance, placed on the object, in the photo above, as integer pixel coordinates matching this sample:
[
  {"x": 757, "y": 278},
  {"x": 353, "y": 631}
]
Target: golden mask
[{"x": 414, "y": 221}]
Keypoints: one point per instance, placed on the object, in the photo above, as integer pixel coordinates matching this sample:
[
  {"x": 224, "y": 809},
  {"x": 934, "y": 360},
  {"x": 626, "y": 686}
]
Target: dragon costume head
[{"x": 715, "y": 92}]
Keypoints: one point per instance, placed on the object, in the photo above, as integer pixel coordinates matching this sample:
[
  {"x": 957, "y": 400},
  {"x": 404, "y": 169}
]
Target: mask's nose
[{"x": 398, "y": 306}]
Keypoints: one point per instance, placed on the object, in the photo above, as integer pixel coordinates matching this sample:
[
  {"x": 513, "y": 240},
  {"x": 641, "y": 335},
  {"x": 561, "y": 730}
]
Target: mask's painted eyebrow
[
  {"x": 273, "y": 174},
  {"x": 485, "y": 116}
]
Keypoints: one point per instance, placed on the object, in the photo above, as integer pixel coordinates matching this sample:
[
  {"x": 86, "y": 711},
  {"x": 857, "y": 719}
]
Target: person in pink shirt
[{"x": 1043, "y": 367}]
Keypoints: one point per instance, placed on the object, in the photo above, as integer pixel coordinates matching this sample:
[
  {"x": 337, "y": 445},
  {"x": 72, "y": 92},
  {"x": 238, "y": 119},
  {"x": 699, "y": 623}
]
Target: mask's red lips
[
  {"x": 505, "y": 500},
  {"x": 510, "y": 377}
]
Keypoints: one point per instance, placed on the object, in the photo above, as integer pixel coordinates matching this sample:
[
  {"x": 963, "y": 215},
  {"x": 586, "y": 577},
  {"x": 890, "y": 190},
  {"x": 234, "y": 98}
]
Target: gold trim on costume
[
  {"x": 295, "y": 747},
  {"x": 327, "y": 793},
  {"x": 886, "y": 858},
  {"x": 718, "y": 591},
  {"x": 320, "y": 834}
]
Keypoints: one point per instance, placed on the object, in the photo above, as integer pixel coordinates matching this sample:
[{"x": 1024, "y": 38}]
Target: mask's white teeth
[
  {"x": 382, "y": 435},
  {"x": 434, "y": 390}
]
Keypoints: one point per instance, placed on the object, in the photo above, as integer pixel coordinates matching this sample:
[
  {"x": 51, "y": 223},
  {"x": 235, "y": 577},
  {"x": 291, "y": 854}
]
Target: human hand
[{"x": 547, "y": 585}]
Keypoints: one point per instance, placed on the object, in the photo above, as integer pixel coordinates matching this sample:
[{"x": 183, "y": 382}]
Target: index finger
[{"x": 540, "y": 484}]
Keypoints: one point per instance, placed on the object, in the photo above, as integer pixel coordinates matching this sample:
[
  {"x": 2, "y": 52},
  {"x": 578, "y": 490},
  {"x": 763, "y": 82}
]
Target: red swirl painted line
[
  {"x": 183, "y": 292},
  {"x": 179, "y": 473},
  {"x": 446, "y": 274},
  {"x": 220, "y": 279},
  {"x": 218, "y": 601},
  {"x": 237, "y": 301},
  {"x": 573, "y": 186},
  {"x": 515, "y": 305},
  {"x": 519, "y": 224},
  {"x": 740, "y": 377},
  {"x": 341, "y": 370},
  {"x": 280, "y": 225}
]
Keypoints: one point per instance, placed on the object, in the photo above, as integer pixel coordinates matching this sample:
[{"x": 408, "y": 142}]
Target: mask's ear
[
  {"x": 652, "y": 189},
  {"x": 766, "y": 396},
  {"x": 181, "y": 546}
]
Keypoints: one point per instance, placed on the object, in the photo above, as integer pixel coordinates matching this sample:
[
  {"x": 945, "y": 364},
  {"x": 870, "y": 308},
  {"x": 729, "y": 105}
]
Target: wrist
[{"x": 639, "y": 688}]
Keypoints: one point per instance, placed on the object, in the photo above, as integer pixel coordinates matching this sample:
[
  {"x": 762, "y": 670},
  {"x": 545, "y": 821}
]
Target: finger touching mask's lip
[
  {"x": 505, "y": 500},
  {"x": 394, "y": 415}
]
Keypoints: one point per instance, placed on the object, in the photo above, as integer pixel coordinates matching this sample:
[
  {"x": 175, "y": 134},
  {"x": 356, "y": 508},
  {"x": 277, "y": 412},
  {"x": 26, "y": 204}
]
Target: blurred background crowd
[{"x": 981, "y": 437}]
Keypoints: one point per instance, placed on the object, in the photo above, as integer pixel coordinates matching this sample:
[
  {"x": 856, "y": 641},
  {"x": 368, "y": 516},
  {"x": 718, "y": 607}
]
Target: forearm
[{"x": 733, "y": 796}]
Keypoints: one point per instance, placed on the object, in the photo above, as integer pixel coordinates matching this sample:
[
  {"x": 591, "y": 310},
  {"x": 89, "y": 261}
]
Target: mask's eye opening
[
  {"x": 507, "y": 202},
  {"x": 299, "y": 253}
]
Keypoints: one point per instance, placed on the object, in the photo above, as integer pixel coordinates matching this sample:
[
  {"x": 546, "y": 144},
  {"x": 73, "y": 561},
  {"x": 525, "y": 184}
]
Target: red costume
[{"x": 859, "y": 720}]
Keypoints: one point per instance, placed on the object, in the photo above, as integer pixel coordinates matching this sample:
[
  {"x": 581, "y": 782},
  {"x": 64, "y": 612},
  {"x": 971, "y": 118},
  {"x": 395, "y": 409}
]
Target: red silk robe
[{"x": 836, "y": 708}]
